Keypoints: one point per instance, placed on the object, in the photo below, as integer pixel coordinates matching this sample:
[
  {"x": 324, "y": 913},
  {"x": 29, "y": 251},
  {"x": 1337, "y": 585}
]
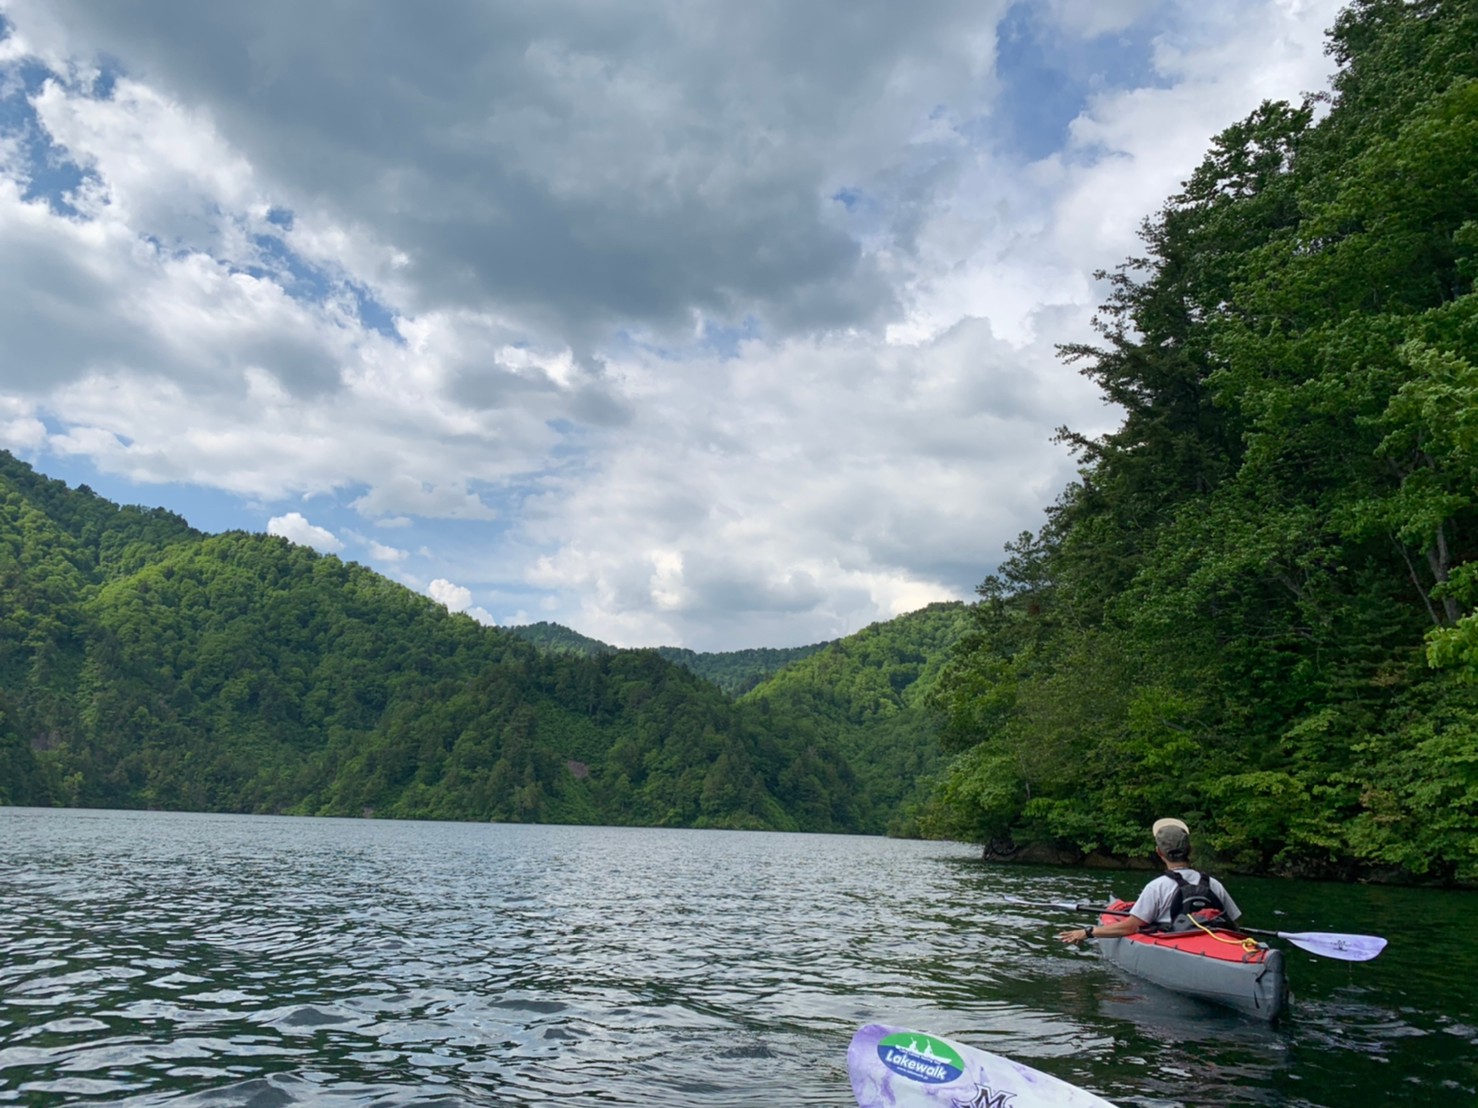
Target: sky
[{"x": 683, "y": 323}]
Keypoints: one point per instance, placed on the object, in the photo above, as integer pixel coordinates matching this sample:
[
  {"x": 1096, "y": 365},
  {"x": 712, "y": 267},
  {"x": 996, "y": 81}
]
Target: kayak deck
[{"x": 1223, "y": 966}]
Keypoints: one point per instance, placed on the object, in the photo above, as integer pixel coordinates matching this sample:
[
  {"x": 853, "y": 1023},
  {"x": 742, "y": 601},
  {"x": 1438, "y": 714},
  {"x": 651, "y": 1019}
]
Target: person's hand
[{"x": 1075, "y": 936}]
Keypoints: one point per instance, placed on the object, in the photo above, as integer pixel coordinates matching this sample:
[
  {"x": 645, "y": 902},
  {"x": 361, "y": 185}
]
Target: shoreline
[{"x": 1347, "y": 871}]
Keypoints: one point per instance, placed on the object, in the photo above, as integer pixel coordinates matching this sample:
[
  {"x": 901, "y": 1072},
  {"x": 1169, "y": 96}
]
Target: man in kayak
[{"x": 1177, "y": 892}]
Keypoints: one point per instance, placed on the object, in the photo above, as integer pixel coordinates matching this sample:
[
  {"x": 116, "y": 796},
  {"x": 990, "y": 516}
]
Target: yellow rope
[{"x": 1248, "y": 944}]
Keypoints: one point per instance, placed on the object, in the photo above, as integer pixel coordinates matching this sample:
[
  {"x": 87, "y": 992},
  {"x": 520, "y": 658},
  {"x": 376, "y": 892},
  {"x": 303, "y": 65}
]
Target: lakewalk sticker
[{"x": 921, "y": 1058}]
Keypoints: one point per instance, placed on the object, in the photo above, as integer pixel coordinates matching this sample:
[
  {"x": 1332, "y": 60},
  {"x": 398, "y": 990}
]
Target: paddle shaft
[
  {"x": 1122, "y": 912},
  {"x": 1346, "y": 948}
]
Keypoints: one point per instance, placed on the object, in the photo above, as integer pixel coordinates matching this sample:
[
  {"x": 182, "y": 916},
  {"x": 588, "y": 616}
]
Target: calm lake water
[{"x": 150, "y": 958}]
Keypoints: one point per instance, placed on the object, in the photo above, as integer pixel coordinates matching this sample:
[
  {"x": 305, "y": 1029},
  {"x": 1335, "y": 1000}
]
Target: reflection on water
[{"x": 148, "y": 958}]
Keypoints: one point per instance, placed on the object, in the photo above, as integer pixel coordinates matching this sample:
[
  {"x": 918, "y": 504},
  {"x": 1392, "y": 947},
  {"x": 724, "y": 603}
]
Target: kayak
[
  {"x": 893, "y": 1067},
  {"x": 1223, "y": 966}
]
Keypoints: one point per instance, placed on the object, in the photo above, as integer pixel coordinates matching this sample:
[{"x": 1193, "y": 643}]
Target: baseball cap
[{"x": 1171, "y": 836}]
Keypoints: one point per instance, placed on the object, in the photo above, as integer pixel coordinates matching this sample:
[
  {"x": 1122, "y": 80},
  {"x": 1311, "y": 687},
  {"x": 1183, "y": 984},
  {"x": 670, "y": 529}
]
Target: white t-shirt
[{"x": 1153, "y": 905}]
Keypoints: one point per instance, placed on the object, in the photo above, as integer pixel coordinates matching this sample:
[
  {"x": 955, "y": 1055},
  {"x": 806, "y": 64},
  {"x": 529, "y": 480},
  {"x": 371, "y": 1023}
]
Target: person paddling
[{"x": 1167, "y": 900}]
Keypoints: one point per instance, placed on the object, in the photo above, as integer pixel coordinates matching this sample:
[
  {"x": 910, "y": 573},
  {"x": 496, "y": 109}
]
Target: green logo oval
[{"x": 921, "y": 1058}]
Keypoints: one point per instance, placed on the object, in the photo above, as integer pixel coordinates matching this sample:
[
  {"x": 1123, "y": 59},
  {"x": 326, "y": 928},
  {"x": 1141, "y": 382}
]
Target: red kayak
[{"x": 1221, "y": 965}]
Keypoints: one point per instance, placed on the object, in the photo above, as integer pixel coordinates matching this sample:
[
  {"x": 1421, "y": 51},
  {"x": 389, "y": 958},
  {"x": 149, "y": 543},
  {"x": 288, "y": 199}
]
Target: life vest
[{"x": 1192, "y": 900}]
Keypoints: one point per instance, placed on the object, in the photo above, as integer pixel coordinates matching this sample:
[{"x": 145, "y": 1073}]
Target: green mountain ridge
[
  {"x": 734, "y": 671},
  {"x": 145, "y": 664},
  {"x": 874, "y": 695}
]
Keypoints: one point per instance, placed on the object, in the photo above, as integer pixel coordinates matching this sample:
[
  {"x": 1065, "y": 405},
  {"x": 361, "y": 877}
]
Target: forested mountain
[
  {"x": 1256, "y": 607},
  {"x": 734, "y": 671},
  {"x": 738, "y": 671},
  {"x": 872, "y": 694},
  {"x": 143, "y": 664},
  {"x": 560, "y": 639}
]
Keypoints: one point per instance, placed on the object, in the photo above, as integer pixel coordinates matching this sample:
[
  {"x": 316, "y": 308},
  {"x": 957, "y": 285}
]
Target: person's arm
[{"x": 1129, "y": 925}]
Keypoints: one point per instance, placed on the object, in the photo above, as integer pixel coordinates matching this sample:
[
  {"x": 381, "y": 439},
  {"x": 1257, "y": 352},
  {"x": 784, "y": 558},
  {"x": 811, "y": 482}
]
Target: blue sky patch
[
  {"x": 725, "y": 340},
  {"x": 1047, "y": 78},
  {"x": 52, "y": 174},
  {"x": 107, "y": 79},
  {"x": 298, "y": 278},
  {"x": 205, "y": 509},
  {"x": 302, "y": 280},
  {"x": 373, "y": 314}
]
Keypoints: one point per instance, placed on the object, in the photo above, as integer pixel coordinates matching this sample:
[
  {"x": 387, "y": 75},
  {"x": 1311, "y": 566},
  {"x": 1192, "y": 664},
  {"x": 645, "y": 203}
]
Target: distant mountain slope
[
  {"x": 58, "y": 546},
  {"x": 865, "y": 695},
  {"x": 869, "y": 695},
  {"x": 560, "y": 639},
  {"x": 738, "y": 671},
  {"x": 734, "y": 671},
  {"x": 143, "y": 664}
]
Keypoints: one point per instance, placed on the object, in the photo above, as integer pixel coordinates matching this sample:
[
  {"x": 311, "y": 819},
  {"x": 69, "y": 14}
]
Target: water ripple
[{"x": 150, "y": 959}]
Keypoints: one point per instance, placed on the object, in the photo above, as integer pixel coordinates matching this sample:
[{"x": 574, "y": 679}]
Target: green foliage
[
  {"x": 560, "y": 639},
  {"x": 1227, "y": 616},
  {"x": 1419, "y": 787},
  {"x": 870, "y": 694},
  {"x": 738, "y": 671},
  {"x": 22, "y": 780}
]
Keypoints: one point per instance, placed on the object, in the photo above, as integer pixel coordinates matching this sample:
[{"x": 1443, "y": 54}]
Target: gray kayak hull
[{"x": 1257, "y": 987}]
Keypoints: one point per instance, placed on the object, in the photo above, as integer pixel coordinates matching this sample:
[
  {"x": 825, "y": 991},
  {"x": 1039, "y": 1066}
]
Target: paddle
[
  {"x": 893, "y": 1067},
  {"x": 1330, "y": 944}
]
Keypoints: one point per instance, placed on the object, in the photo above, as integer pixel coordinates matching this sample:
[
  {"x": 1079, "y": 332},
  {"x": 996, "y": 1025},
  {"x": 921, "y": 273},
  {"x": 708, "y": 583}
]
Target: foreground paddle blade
[
  {"x": 1347, "y": 948},
  {"x": 893, "y": 1067}
]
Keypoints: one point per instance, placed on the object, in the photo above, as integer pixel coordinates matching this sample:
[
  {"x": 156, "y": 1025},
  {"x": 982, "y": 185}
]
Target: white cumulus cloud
[
  {"x": 703, "y": 324},
  {"x": 454, "y": 597},
  {"x": 295, "y": 528}
]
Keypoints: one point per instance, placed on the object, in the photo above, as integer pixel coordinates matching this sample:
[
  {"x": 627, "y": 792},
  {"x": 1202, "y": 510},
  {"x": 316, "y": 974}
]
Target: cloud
[
  {"x": 1090, "y": 18},
  {"x": 295, "y": 528},
  {"x": 806, "y": 485},
  {"x": 400, "y": 493},
  {"x": 1131, "y": 148},
  {"x": 458, "y": 599},
  {"x": 382, "y": 553},
  {"x": 455, "y": 597},
  {"x": 377, "y": 551},
  {"x": 19, "y": 431},
  {"x": 584, "y": 166},
  {"x": 685, "y": 324}
]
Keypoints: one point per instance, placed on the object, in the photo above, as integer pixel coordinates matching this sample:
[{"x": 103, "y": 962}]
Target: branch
[{"x": 1415, "y": 580}]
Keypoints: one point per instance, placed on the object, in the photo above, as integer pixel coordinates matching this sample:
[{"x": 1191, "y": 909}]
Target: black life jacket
[{"x": 1190, "y": 899}]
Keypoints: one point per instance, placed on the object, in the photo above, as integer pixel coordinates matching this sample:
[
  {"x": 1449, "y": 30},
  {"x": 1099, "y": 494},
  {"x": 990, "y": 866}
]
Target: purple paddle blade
[{"x": 1347, "y": 948}]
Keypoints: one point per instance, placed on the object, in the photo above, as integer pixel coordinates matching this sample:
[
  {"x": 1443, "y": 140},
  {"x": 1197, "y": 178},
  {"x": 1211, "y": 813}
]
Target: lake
[{"x": 155, "y": 958}]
